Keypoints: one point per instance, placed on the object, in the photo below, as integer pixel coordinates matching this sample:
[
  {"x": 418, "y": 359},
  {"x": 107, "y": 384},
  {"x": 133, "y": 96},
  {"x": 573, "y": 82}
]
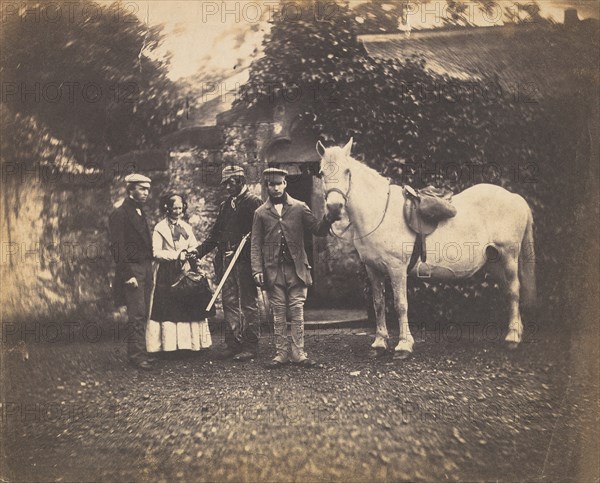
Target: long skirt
[
  {"x": 178, "y": 319},
  {"x": 171, "y": 336}
]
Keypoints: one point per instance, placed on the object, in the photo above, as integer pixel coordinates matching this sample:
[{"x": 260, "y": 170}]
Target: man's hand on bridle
[
  {"x": 333, "y": 217},
  {"x": 132, "y": 282}
]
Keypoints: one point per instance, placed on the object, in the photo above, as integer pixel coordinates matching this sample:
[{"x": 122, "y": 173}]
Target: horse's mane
[
  {"x": 360, "y": 165},
  {"x": 366, "y": 170}
]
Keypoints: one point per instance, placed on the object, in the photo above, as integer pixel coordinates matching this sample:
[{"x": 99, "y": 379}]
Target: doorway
[{"x": 301, "y": 187}]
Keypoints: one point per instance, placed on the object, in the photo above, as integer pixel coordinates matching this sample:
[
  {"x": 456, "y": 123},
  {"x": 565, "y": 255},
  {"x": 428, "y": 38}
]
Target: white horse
[{"x": 492, "y": 228}]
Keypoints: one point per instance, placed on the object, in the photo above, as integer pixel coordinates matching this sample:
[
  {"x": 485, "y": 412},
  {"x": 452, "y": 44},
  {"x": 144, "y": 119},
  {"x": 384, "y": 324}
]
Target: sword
[{"x": 227, "y": 272}]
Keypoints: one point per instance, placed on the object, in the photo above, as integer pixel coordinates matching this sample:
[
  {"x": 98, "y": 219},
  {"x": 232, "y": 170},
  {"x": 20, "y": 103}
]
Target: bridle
[{"x": 346, "y": 197}]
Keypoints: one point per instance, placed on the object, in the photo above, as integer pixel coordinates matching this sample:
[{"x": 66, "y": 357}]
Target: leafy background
[{"x": 403, "y": 116}]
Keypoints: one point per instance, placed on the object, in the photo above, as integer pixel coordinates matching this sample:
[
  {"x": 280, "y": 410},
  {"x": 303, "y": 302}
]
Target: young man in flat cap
[
  {"x": 240, "y": 310},
  {"x": 280, "y": 264},
  {"x": 131, "y": 246}
]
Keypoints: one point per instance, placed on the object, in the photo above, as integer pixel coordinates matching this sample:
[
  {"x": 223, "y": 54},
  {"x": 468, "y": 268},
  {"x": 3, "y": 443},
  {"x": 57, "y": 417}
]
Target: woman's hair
[{"x": 167, "y": 201}]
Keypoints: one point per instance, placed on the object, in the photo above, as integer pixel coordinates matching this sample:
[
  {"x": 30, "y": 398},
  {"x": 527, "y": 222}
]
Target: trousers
[
  {"x": 240, "y": 309},
  {"x": 137, "y": 300},
  {"x": 288, "y": 291}
]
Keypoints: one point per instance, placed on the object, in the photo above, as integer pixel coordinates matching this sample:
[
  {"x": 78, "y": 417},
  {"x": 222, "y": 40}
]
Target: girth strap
[{"x": 418, "y": 251}]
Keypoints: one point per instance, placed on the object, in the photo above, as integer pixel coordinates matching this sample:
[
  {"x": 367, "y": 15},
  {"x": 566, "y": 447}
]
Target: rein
[{"x": 346, "y": 197}]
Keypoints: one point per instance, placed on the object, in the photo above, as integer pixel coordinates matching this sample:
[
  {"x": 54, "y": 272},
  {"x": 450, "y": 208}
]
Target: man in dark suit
[
  {"x": 279, "y": 263},
  {"x": 131, "y": 246},
  {"x": 240, "y": 310}
]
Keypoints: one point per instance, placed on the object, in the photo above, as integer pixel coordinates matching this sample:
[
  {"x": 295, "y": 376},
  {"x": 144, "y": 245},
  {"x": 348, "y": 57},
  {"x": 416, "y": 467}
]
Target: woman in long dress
[{"x": 178, "y": 319}]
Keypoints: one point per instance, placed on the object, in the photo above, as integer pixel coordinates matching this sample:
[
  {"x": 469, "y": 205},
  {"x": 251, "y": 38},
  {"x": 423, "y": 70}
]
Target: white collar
[{"x": 164, "y": 229}]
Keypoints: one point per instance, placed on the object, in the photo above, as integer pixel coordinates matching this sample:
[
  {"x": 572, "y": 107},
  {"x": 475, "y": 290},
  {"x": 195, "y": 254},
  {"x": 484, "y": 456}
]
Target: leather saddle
[{"x": 423, "y": 210}]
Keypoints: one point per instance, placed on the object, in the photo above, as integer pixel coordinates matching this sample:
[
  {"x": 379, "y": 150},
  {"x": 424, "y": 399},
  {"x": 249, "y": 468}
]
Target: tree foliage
[
  {"x": 86, "y": 72},
  {"x": 388, "y": 17},
  {"x": 399, "y": 113}
]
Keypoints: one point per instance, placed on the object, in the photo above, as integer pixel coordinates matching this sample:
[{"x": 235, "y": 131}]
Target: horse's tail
[{"x": 527, "y": 265}]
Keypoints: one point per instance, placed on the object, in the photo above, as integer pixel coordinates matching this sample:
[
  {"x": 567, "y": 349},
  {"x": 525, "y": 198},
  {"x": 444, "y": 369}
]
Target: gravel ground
[{"x": 457, "y": 410}]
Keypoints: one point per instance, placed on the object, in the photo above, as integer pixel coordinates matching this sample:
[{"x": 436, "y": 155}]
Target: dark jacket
[
  {"x": 230, "y": 227},
  {"x": 130, "y": 242},
  {"x": 267, "y": 229}
]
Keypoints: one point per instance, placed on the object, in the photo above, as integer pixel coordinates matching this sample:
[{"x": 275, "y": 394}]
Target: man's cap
[
  {"x": 136, "y": 178},
  {"x": 231, "y": 171},
  {"x": 270, "y": 172}
]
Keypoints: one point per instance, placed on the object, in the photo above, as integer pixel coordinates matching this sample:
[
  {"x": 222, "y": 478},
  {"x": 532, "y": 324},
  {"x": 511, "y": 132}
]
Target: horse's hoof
[
  {"x": 512, "y": 346},
  {"x": 401, "y": 355}
]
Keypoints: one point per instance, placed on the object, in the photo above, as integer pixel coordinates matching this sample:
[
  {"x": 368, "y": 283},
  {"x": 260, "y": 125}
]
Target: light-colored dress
[{"x": 165, "y": 334}]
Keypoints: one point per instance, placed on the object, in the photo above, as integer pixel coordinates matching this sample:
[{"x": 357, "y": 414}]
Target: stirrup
[{"x": 419, "y": 275}]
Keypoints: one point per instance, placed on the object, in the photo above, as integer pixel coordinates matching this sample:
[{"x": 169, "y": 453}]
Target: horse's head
[{"x": 336, "y": 176}]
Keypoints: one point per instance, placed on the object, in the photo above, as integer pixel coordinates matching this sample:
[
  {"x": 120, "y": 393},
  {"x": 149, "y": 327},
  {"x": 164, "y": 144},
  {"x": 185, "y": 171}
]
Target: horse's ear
[
  {"x": 320, "y": 148},
  {"x": 348, "y": 147}
]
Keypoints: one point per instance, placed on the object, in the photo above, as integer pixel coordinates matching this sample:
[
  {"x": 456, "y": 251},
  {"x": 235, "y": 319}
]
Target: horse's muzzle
[{"x": 335, "y": 208}]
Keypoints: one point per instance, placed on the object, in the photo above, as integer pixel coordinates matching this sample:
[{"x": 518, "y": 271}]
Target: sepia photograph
[{"x": 299, "y": 241}]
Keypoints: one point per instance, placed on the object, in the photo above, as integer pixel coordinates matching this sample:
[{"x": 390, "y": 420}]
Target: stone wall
[
  {"x": 54, "y": 249},
  {"x": 55, "y": 259}
]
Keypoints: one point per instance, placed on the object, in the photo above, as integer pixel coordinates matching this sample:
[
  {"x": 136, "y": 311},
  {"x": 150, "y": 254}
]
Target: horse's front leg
[
  {"x": 378, "y": 289},
  {"x": 405, "y": 344}
]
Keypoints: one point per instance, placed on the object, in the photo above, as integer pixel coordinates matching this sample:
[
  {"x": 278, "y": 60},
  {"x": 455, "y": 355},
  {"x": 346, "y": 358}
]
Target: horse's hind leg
[
  {"x": 405, "y": 344},
  {"x": 377, "y": 286},
  {"x": 512, "y": 285}
]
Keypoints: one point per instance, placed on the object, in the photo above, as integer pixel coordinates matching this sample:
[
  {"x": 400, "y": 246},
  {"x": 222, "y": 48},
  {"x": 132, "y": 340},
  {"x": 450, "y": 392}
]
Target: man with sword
[{"x": 234, "y": 221}]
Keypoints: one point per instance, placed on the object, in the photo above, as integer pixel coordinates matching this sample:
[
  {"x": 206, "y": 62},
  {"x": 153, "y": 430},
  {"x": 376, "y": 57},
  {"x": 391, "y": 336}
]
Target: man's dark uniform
[
  {"x": 234, "y": 220},
  {"x": 131, "y": 246}
]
